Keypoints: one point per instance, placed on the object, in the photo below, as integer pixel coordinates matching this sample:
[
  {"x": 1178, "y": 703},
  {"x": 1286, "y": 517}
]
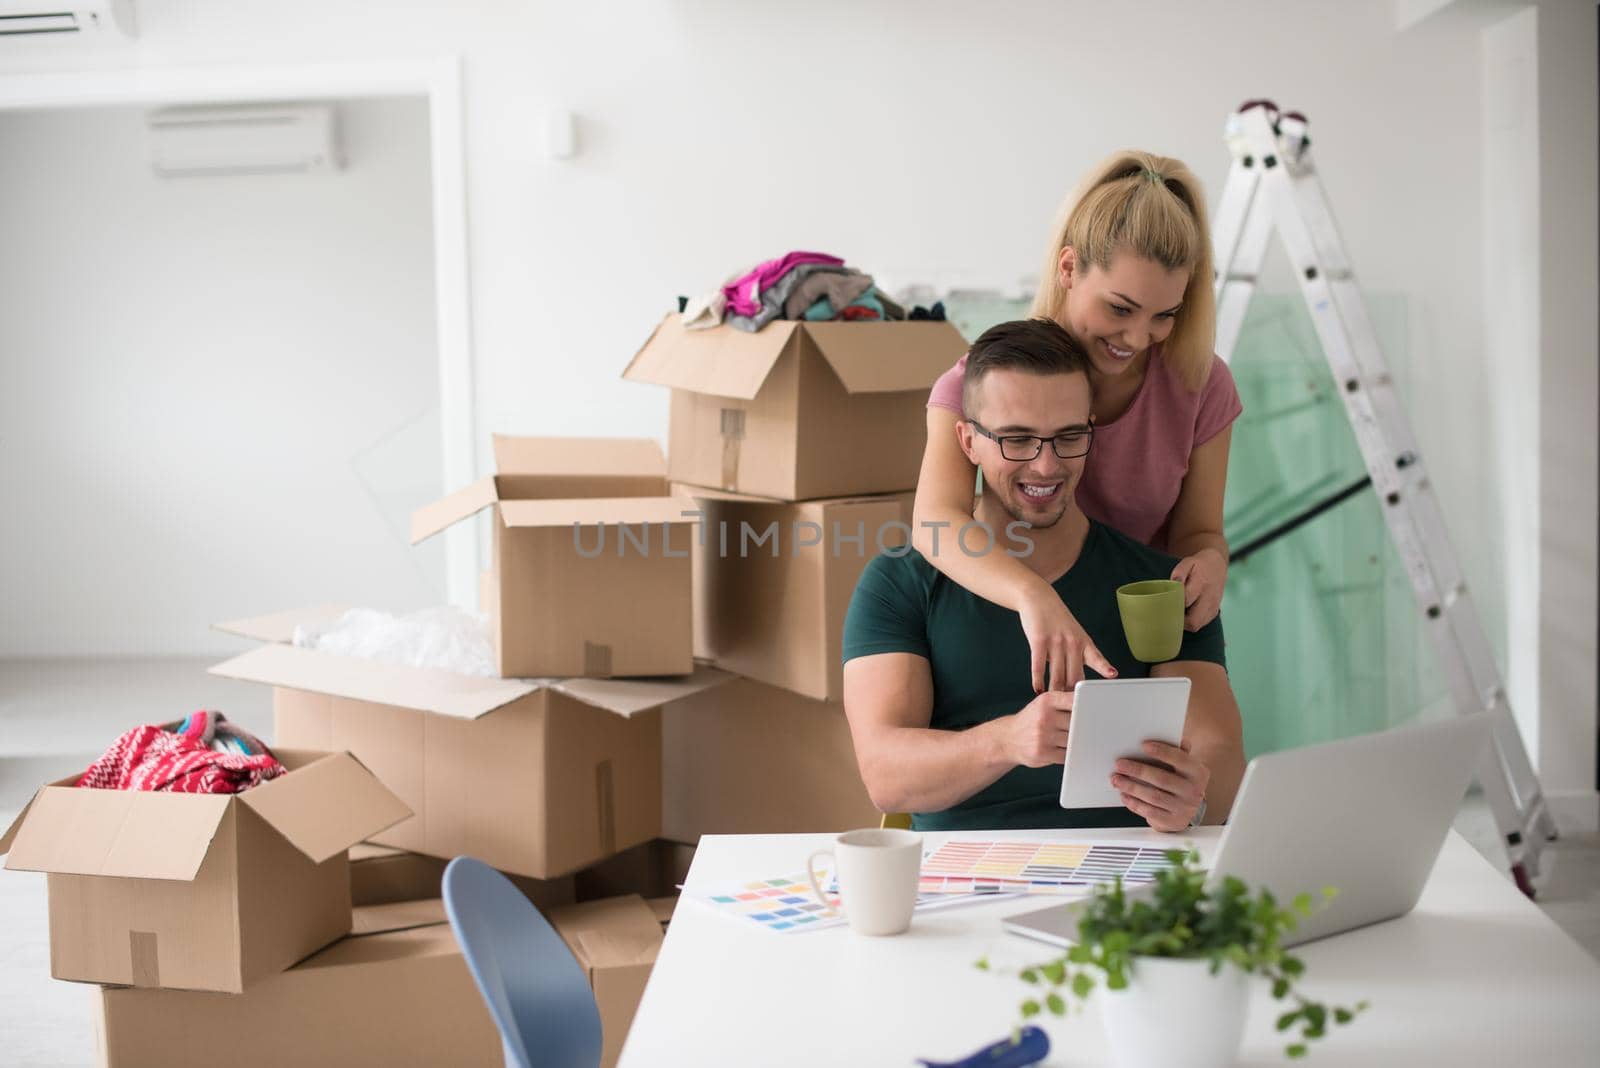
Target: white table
[{"x": 1475, "y": 975}]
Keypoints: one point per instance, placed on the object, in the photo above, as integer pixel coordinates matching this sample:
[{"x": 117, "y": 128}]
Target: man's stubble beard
[{"x": 1006, "y": 506}]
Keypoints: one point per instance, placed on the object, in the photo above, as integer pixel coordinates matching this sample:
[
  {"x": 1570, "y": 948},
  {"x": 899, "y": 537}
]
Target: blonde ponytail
[{"x": 1152, "y": 206}]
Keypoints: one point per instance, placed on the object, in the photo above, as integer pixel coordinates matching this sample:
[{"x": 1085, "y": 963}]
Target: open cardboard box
[
  {"x": 536, "y": 777},
  {"x": 591, "y": 557},
  {"x": 396, "y": 993},
  {"x": 773, "y": 610},
  {"x": 798, "y": 410},
  {"x": 747, "y": 758},
  {"x": 616, "y": 941},
  {"x": 200, "y": 891}
]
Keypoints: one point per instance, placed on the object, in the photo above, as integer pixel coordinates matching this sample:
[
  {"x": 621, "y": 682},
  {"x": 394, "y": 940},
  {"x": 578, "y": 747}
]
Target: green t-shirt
[{"x": 981, "y": 664}]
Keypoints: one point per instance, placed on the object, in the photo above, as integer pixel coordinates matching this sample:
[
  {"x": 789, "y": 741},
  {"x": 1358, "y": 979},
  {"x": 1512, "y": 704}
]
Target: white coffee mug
[{"x": 878, "y": 870}]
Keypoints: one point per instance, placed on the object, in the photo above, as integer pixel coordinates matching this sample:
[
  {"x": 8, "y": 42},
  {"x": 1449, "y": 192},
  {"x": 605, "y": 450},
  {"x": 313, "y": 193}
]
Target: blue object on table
[
  {"x": 534, "y": 987},
  {"x": 1031, "y": 1046}
]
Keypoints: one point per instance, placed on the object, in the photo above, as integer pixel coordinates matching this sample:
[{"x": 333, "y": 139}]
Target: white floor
[{"x": 58, "y": 715}]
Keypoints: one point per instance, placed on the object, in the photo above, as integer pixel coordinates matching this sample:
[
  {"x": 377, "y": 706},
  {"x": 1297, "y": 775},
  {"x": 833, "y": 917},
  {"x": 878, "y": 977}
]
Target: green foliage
[{"x": 1184, "y": 919}]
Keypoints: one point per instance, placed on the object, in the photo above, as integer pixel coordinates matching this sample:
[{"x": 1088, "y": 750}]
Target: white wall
[
  {"x": 920, "y": 139},
  {"x": 1510, "y": 266},
  {"x": 1569, "y": 391},
  {"x": 220, "y": 394}
]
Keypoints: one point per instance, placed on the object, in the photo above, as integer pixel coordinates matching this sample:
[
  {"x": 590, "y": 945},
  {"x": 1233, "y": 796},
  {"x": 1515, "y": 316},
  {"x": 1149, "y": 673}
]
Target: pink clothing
[
  {"x": 744, "y": 293},
  {"x": 1136, "y": 466}
]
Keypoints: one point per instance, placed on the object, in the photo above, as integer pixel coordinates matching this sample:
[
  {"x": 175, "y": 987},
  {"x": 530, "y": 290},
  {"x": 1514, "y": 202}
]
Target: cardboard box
[
  {"x": 591, "y": 557},
  {"x": 798, "y": 410},
  {"x": 397, "y": 995},
  {"x": 663, "y": 907},
  {"x": 381, "y": 875},
  {"x": 535, "y": 777},
  {"x": 773, "y": 580},
  {"x": 200, "y": 891},
  {"x": 747, "y": 758},
  {"x": 616, "y": 942},
  {"x": 655, "y": 869}
]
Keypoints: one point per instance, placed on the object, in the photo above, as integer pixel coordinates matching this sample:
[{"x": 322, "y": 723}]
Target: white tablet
[{"x": 1110, "y": 718}]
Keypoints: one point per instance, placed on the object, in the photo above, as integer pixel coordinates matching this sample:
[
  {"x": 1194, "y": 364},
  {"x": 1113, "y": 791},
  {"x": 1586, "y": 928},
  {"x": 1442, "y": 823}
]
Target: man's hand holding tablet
[{"x": 1125, "y": 747}]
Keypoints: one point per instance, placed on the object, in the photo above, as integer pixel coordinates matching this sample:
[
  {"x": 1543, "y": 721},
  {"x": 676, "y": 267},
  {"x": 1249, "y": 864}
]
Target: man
[{"x": 937, "y": 681}]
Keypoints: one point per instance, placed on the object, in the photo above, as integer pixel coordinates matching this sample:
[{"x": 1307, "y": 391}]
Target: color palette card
[
  {"x": 783, "y": 903},
  {"x": 963, "y": 887},
  {"x": 786, "y": 903},
  {"x": 963, "y": 866}
]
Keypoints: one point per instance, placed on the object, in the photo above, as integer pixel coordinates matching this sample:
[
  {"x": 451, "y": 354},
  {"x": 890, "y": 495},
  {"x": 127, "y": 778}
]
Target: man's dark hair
[{"x": 1037, "y": 346}]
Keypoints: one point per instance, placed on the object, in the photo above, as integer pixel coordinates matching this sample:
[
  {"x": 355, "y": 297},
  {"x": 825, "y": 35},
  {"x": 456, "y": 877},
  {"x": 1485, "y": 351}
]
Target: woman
[{"x": 1129, "y": 276}]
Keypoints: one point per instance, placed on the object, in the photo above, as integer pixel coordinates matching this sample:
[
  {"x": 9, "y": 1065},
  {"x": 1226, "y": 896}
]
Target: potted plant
[{"x": 1176, "y": 968}]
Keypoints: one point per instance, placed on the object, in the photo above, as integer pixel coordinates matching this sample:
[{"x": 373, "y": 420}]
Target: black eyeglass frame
[{"x": 1087, "y": 433}]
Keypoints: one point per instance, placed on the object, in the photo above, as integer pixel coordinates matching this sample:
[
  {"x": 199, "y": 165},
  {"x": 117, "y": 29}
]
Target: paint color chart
[
  {"x": 968, "y": 867},
  {"x": 783, "y": 903},
  {"x": 786, "y": 904}
]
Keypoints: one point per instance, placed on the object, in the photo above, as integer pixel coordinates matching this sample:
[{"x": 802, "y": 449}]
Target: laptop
[{"x": 1367, "y": 815}]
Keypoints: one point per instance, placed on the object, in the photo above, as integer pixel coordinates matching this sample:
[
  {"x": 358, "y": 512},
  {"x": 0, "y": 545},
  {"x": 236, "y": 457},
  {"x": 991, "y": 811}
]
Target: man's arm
[
  {"x": 909, "y": 767},
  {"x": 1209, "y": 764},
  {"x": 1213, "y": 731}
]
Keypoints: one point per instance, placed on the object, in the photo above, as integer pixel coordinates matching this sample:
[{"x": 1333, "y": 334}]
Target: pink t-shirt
[{"x": 1136, "y": 466}]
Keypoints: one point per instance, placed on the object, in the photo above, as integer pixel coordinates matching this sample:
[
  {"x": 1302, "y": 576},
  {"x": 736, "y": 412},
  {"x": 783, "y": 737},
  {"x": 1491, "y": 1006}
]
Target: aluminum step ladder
[{"x": 1273, "y": 184}]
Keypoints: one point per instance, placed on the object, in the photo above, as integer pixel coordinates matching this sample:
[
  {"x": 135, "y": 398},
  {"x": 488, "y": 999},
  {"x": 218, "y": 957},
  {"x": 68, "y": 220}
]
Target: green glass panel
[{"x": 1324, "y": 637}]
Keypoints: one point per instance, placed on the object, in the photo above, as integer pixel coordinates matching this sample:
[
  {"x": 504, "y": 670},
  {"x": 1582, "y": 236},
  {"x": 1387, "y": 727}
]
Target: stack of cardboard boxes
[
  {"x": 801, "y": 444},
  {"x": 298, "y": 922},
  {"x": 552, "y": 771}
]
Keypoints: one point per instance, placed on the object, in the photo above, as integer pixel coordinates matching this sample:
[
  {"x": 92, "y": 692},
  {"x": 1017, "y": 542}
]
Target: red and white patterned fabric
[{"x": 182, "y": 761}]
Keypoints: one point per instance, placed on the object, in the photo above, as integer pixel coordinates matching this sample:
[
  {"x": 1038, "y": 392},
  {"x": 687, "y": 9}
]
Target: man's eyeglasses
[{"x": 1023, "y": 447}]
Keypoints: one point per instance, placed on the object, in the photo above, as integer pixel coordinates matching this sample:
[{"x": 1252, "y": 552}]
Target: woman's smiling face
[{"x": 1118, "y": 312}]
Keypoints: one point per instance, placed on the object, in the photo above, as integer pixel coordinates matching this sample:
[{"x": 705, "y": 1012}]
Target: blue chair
[{"x": 535, "y": 989}]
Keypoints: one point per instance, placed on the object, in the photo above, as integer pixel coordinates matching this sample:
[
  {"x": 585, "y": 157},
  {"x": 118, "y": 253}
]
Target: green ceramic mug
[{"x": 1152, "y": 618}]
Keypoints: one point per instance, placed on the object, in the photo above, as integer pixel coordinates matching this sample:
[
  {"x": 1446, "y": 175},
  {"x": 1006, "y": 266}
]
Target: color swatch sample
[
  {"x": 981, "y": 886},
  {"x": 787, "y": 905},
  {"x": 966, "y": 867},
  {"x": 782, "y": 903}
]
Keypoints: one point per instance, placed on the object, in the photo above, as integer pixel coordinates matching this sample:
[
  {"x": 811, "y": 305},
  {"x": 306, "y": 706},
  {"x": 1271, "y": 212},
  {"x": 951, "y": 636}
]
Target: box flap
[
  {"x": 589, "y": 511},
  {"x": 579, "y": 456},
  {"x": 430, "y": 519},
  {"x": 685, "y": 489},
  {"x": 396, "y": 916},
  {"x": 609, "y": 933},
  {"x": 16, "y": 824},
  {"x": 372, "y": 851},
  {"x": 327, "y": 806},
  {"x": 721, "y": 361},
  {"x": 888, "y": 357},
  {"x": 626, "y": 697},
  {"x": 137, "y": 834},
  {"x": 279, "y": 626},
  {"x": 444, "y": 692}
]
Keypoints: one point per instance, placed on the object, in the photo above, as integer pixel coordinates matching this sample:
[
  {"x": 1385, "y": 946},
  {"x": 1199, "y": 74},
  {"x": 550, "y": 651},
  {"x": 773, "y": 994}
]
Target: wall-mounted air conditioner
[
  {"x": 90, "y": 18},
  {"x": 243, "y": 139}
]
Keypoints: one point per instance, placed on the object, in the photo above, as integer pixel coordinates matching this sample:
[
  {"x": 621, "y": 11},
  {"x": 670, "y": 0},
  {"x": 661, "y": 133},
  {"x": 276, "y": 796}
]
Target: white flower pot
[{"x": 1176, "y": 1014}]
